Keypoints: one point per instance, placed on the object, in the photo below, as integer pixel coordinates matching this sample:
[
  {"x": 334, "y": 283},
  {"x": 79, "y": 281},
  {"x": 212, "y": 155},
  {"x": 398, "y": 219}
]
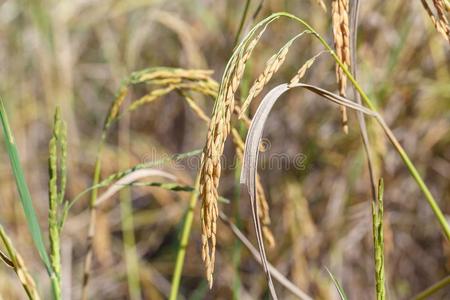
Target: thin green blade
[
  {"x": 22, "y": 188},
  {"x": 339, "y": 288}
]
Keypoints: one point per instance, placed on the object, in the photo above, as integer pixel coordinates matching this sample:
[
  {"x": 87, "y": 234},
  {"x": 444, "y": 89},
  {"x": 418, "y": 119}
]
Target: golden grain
[
  {"x": 302, "y": 71},
  {"x": 272, "y": 66},
  {"x": 440, "y": 22},
  {"x": 341, "y": 34},
  {"x": 211, "y": 168}
]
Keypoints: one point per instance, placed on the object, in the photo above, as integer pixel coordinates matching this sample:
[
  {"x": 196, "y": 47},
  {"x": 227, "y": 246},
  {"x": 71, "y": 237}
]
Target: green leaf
[{"x": 22, "y": 188}]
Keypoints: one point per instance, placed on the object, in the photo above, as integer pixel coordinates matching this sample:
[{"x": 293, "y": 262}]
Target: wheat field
[{"x": 145, "y": 154}]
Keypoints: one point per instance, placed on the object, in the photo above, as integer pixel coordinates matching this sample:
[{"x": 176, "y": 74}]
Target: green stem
[
  {"x": 91, "y": 230},
  {"x": 127, "y": 222},
  {"x": 98, "y": 167},
  {"x": 433, "y": 289},
  {"x": 129, "y": 245},
  {"x": 378, "y": 242},
  {"x": 181, "y": 254},
  {"x": 56, "y": 288}
]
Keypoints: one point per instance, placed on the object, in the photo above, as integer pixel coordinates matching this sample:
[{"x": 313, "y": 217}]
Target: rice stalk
[
  {"x": 57, "y": 168},
  {"x": 195, "y": 107},
  {"x": 249, "y": 169},
  {"x": 16, "y": 262},
  {"x": 341, "y": 35},
  {"x": 354, "y": 14},
  {"x": 367, "y": 101},
  {"x": 440, "y": 20},
  {"x": 168, "y": 80},
  {"x": 185, "y": 234},
  {"x": 242, "y": 22},
  {"x": 378, "y": 242},
  {"x": 265, "y": 217},
  {"x": 217, "y": 133},
  {"x": 322, "y": 5}
]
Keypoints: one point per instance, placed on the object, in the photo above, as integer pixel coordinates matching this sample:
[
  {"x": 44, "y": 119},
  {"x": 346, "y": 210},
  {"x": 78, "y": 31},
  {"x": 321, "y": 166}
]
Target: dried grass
[
  {"x": 439, "y": 20},
  {"x": 263, "y": 205}
]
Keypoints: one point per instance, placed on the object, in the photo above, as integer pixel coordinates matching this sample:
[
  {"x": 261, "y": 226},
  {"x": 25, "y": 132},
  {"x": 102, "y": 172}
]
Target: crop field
[{"x": 241, "y": 149}]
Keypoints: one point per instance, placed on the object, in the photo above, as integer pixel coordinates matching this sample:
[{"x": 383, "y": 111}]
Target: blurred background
[{"x": 75, "y": 54}]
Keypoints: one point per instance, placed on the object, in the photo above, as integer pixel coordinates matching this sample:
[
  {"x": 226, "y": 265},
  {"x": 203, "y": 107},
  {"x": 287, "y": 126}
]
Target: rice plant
[{"x": 147, "y": 154}]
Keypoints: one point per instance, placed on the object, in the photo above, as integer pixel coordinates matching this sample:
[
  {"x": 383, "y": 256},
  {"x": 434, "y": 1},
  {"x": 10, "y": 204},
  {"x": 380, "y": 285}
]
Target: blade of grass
[
  {"x": 354, "y": 13},
  {"x": 25, "y": 197},
  {"x": 433, "y": 289},
  {"x": 339, "y": 288},
  {"x": 24, "y": 193},
  {"x": 186, "y": 233}
]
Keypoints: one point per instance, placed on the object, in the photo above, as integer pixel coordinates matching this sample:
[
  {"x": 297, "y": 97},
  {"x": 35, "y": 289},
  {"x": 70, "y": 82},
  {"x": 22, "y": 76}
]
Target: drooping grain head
[
  {"x": 272, "y": 66},
  {"x": 341, "y": 35},
  {"x": 440, "y": 20},
  {"x": 219, "y": 128}
]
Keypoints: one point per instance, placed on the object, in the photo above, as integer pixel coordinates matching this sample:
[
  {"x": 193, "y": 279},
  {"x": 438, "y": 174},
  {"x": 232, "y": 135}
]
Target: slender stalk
[
  {"x": 181, "y": 254},
  {"x": 56, "y": 164},
  {"x": 278, "y": 276},
  {"x": 378, "y": 242},
  {"x": 25, "y": 197},
  {"x": 241, "y": 24},
  {"x": 127, "y": 222},
  {"x": 236, "y": 255},
  {"x": 433, "y": 289},
  {"x": 129, "y": 245},
  {"x": 92, "y": 218},
  {"x": 337, "y": 285},
  {"x": 354, "y": 13}
]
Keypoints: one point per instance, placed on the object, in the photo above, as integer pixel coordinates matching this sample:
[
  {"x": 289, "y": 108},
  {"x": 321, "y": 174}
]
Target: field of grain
[{"x": 225, "y": 149}]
